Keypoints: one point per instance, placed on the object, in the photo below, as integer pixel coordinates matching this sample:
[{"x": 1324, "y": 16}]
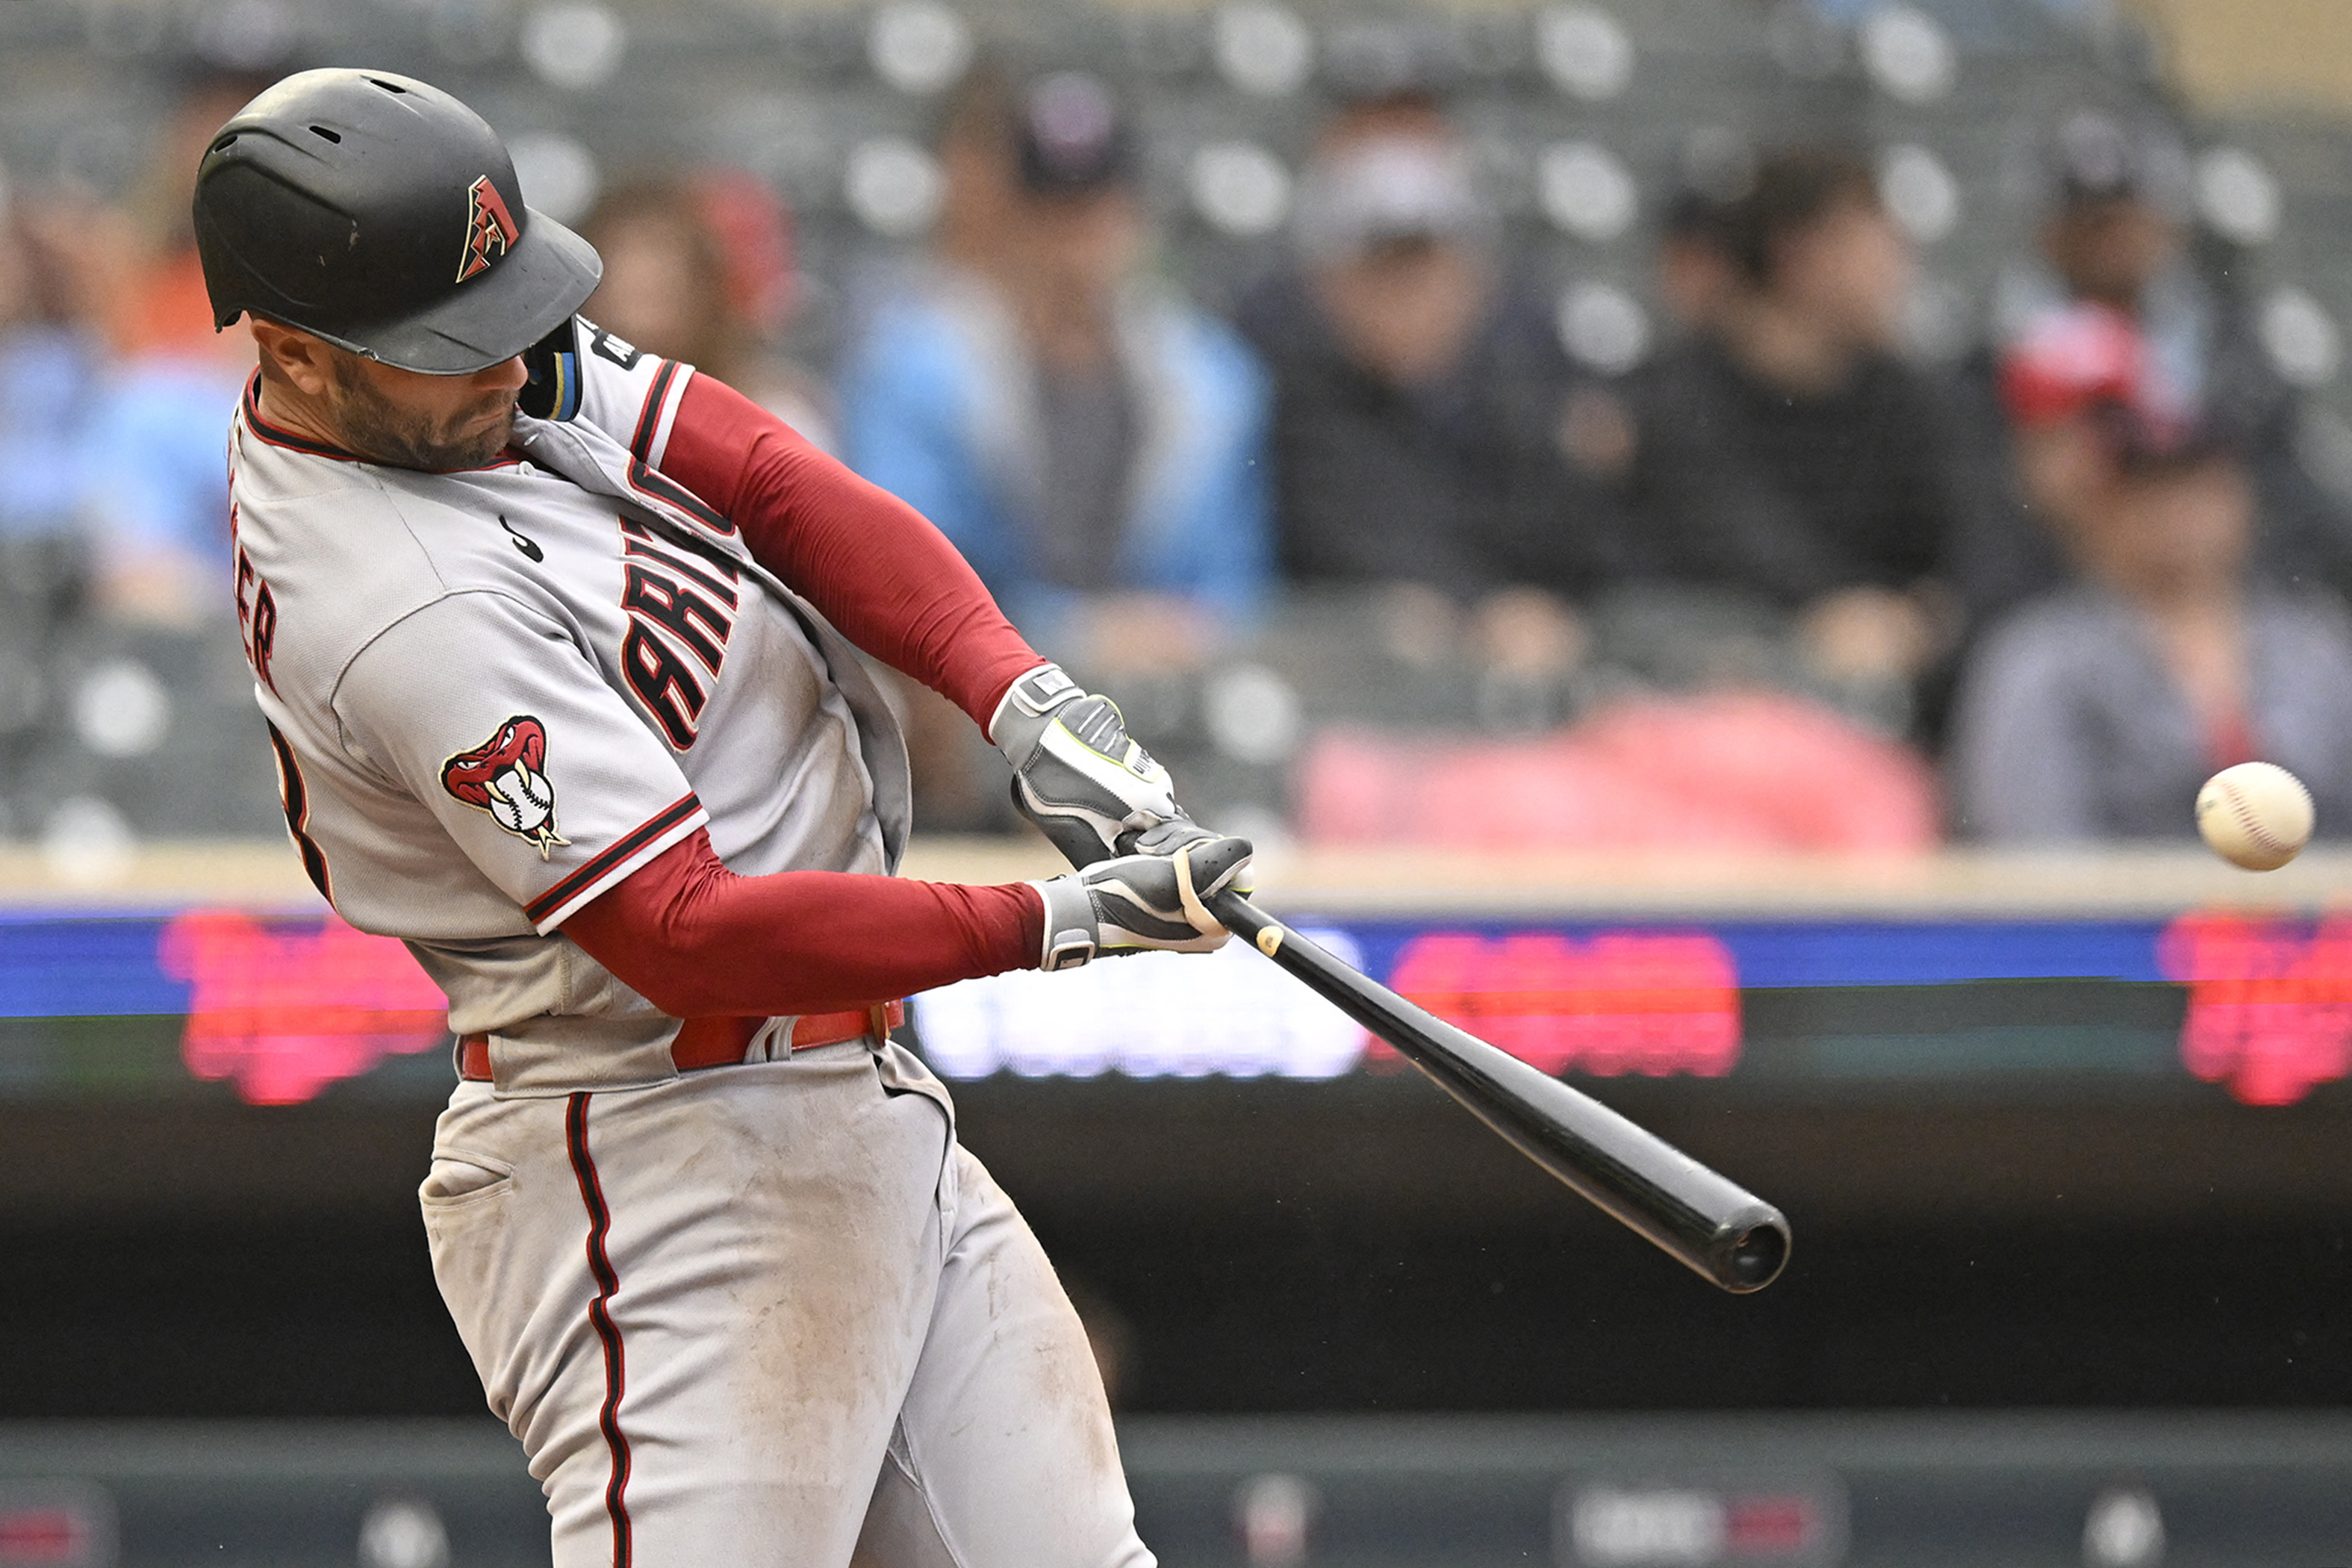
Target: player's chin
[{"x": 475, "y": 442}]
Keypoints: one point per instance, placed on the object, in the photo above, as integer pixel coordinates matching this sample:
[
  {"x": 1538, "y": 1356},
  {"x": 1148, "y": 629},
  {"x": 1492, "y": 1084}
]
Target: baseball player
[{"x": 557, "y": 644}]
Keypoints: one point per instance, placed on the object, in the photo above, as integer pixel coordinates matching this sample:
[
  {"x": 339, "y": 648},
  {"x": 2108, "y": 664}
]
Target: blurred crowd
[{"x": 1402, "y": 565}]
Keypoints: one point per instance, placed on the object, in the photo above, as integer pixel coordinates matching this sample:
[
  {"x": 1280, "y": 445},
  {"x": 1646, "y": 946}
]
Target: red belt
[{"x": 721, "y": 1042}]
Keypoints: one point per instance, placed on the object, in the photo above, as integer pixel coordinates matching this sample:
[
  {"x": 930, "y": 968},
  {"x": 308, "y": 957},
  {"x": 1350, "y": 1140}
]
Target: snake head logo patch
[
  {"x": 506, "y": 775},
  {"x": 489, "y": 226}
]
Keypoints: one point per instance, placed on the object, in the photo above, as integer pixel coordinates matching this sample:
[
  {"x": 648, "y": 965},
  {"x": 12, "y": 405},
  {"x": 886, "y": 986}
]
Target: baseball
[{"x": 2256, "y": 814}]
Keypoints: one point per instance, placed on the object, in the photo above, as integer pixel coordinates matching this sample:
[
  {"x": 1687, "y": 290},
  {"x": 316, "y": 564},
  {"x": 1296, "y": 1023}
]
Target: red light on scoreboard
[
  {"x": 2270, "y": 1002},
  {"x": 284, "y": 1013},
  {"x": 43, "y": 1535},
  {"x": 1646, "y": 1002},
  {"x": 46, "y": 1524},
  {"x": 1769, "y": 1526},
  {"x": 1694, "y": 1523}
]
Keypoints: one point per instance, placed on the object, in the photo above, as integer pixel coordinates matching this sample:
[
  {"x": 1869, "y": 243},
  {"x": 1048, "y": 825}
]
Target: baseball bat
[{"x": 1711, "y": 1225}]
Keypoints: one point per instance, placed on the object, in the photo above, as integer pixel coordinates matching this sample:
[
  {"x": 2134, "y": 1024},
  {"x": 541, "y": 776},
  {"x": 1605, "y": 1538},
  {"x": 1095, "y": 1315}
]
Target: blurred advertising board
[{"x": 280, "y": 1007}]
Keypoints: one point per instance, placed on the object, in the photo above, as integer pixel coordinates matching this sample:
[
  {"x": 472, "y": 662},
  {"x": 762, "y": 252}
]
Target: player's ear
[{"x": 294, "y": 357}]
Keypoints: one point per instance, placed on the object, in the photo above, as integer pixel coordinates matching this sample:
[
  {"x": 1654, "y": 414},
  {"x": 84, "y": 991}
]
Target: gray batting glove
[
  {"x": 1089, "y": 787},
  {"x": 1142, "y": 903}
]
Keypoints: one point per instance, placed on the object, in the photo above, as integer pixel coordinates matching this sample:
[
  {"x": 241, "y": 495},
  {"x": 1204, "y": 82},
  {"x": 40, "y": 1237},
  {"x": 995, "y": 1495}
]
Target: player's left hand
[
  {"x": 1143, "y": 903},
  {"x": 1077, "y": 774}
]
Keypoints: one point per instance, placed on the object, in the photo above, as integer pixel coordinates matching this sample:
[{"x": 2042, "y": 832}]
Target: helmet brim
[{"x": 524, "y": 296}]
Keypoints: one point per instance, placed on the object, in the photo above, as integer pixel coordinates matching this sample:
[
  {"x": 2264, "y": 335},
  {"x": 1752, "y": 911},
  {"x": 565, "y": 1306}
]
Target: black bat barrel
[{"x": 1717, "y": 1229}]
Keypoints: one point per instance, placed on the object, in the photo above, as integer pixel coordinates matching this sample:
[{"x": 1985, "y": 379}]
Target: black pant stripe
[{"x": 599, "y": 1314}]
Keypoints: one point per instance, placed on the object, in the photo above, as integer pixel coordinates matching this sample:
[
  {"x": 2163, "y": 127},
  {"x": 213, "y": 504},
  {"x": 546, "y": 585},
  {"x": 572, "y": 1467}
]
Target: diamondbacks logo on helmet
[
  {"x": 487, "y": 225},
  {"x": 505, "y": 776}
]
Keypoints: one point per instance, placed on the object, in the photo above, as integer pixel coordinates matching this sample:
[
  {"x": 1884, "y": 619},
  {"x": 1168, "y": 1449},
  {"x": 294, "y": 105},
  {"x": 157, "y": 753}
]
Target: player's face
[{"x": 437, "y": 423}]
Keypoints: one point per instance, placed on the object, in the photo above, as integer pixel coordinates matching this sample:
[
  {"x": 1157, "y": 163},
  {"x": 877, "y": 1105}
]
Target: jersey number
[{"x": 295, "y": 797}]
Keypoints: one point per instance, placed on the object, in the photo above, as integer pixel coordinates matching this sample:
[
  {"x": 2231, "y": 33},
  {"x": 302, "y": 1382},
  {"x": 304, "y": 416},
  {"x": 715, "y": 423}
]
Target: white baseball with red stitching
[{"x": 2255, "y": 815}]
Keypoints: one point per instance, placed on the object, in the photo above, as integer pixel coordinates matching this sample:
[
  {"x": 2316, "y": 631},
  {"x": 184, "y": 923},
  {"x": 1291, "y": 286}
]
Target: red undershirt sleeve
[
  {"x": 697, "y": 941},
  {"x": 872, "y": 566}
]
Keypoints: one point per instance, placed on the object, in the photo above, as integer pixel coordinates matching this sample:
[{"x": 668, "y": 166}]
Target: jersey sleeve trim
[
  {"x": 651, "y": 437},
  {"x": 666, "y": 826}
]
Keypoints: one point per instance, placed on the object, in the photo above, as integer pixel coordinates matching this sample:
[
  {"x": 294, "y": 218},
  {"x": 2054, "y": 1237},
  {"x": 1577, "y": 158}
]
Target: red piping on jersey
[
  {"x": 599, "y": 1314},
  {"x": 612, "y": 854},
  {"x": 870, "y": 564},
  {"x": 697, "y": 941}
]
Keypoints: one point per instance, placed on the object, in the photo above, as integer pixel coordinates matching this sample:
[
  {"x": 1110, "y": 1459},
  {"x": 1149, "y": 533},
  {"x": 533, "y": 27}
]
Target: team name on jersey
[{"x": 680, "y": 611}]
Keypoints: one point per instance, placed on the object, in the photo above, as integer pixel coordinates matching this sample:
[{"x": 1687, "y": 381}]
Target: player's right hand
[
  {"x": 1141, "y": 903},
  {"x": 1079, "y": 776}
]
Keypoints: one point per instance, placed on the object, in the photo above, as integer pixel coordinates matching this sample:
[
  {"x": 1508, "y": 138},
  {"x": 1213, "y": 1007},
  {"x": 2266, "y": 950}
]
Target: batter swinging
[{"x": 566, "y": 695}]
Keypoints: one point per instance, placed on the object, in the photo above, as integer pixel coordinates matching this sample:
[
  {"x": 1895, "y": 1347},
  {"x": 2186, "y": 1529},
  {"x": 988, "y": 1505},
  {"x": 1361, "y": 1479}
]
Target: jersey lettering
[
  {"x": 690, "y": 618},
  {"x": 257, "y": 618},
  {"x": 264, "y": 634},
  {"x": 605, "y": 346},
  {"x": 676, "y": 607},
  {"x": 664, "y": 682},
  {"x": 717, "y": 576}
]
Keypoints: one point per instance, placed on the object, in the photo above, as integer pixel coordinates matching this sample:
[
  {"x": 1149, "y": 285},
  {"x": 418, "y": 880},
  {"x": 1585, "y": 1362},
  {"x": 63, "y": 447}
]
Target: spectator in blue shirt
[
  {"x": 1092, "y": 443},
  {"x": 155, "y": 480},
  {"x": 48, "y": 368}
]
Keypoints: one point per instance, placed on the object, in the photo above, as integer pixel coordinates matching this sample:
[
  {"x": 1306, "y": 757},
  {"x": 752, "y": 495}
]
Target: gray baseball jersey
[
  {"x": 771, "y": 1313},
  {"x": 493, "y": 694}
]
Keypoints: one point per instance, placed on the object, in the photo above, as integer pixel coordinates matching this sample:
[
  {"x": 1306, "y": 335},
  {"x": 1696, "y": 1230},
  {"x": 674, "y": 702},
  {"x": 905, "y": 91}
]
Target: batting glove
[
  {"x": 1089, "y": 787},
  {"x": 1140, "y": 903}
]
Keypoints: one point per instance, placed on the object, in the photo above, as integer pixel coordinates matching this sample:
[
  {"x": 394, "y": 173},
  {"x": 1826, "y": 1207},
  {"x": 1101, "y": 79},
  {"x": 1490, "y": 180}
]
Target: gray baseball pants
[{"x": 773, "y": 1315}]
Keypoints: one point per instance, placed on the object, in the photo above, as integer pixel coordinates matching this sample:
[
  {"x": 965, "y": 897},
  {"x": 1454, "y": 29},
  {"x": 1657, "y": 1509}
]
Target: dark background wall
[{"x": 1353, "y": 1246}]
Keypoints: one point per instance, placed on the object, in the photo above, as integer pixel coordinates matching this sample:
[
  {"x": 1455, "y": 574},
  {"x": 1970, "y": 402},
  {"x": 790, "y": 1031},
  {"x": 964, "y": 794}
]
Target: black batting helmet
[{"x": 379, "y": 213}]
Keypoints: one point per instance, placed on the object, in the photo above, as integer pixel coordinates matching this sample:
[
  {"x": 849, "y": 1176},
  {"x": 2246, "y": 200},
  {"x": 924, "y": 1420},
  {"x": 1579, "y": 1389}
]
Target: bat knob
[{"x": 1755, "y": 1257}]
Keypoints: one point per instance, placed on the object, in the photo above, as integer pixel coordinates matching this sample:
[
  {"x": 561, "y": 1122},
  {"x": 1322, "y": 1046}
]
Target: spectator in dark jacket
[
  {"x": 1783, "y": 451},
  {"x": 1428, "y": 426},
  {"x": 2114, "y": 245}
]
